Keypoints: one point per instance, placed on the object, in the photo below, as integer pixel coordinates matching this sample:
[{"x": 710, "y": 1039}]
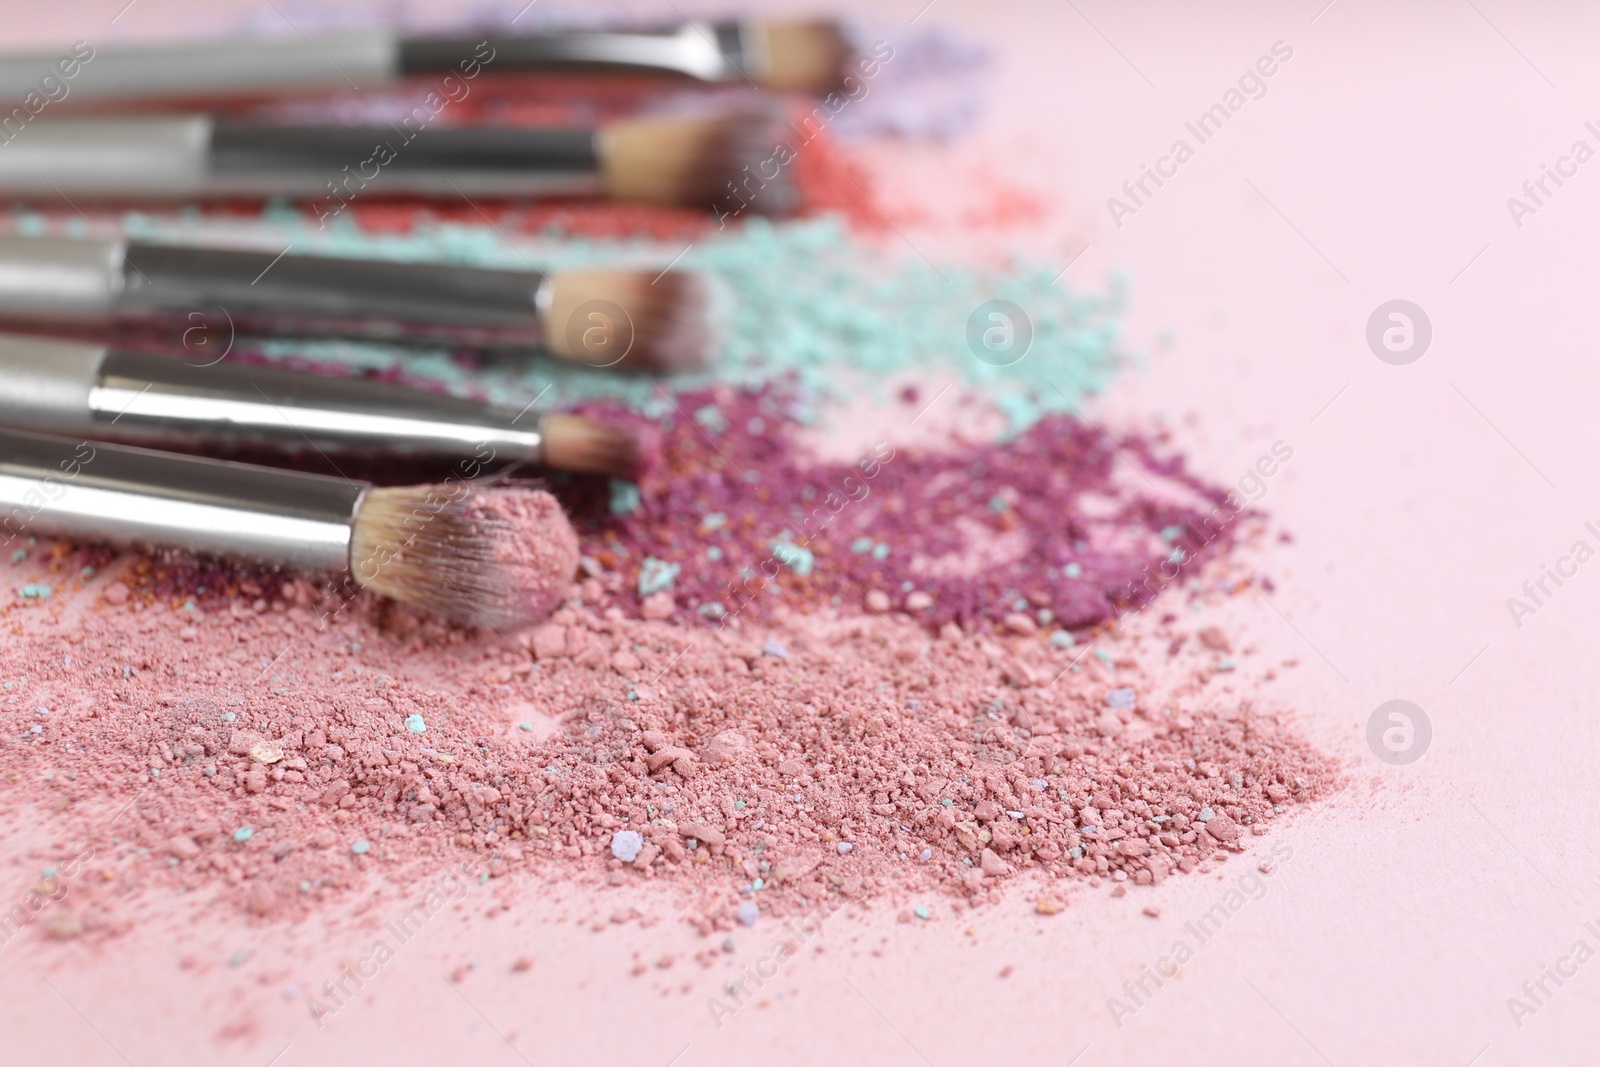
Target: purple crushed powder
[{"x": 1035, "y": 533}]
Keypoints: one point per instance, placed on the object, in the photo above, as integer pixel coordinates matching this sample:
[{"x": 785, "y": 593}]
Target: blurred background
[{"x": 1341, "y": 164}]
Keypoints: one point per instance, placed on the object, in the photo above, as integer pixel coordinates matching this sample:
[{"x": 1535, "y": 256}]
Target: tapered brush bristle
[
  {"x": 663, "y": 325},
  {"x": 575, "y": 443},
  {"x": 499, "y": 557},
  {"x": 729, "y": 163},
  {"x": 803, "y": 57}
]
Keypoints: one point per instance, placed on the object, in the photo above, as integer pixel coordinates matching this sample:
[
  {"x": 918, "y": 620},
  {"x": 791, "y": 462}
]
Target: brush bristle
[
  {"x": 803, "y": 57},
  {"x": 499, "y": 557},
  {"x": 575, "y": 443},
  {"x": 633, "y": 320},
  {"x": 728, "y": 163}
]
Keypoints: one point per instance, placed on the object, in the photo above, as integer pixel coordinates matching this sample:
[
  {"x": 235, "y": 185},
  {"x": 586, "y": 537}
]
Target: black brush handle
[
  {"x": 247, "y": 147},
  {"x": 709, "y": 52}
]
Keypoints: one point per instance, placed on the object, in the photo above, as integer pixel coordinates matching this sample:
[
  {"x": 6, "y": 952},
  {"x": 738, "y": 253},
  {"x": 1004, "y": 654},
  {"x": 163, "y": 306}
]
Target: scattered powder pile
[
  {"x": 1046, "y": 531},
  {"x": 807, "y": 300},
  {"x": 285, "y": 748},
  {"x": 196, "y": 726}
]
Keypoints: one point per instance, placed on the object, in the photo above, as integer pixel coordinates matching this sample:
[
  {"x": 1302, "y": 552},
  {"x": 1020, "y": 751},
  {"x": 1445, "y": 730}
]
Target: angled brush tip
[
  {"x": 728, "y": 162},
  {"x": 500, "y": 557},
  {"x": 630, "y": 320},
  {"x": 802, "y": 57}
]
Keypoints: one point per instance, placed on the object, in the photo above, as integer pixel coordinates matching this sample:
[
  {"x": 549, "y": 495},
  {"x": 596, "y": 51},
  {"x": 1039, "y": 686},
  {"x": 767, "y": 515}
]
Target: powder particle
[
  {"x": 626, "y": 845},
  {"x": 748, "y": 912},
  {"x": 656, "y": 576},
  {"x": 416, "y": 725}
]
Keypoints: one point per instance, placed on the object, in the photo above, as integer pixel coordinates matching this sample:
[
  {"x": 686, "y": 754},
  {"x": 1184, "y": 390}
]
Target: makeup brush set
[{"x": 103, "y": 439}]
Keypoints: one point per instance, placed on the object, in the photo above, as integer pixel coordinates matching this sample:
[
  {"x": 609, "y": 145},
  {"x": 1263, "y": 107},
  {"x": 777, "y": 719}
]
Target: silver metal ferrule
[
  {"x": 690, "y": 49},
  {"x": 165, "y": 157},
  {"x": 208, "y": 68},
  {"x": 59, "y": 279},
  {"x": 59, "y": 486},
  {"x": 143, "y": 398}
]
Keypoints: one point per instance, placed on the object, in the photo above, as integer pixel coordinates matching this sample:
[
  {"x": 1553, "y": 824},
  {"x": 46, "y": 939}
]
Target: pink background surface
[{"x": 1421, "y": 497}]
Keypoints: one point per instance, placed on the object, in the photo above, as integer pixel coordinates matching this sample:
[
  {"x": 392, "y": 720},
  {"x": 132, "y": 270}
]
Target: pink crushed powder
[{"x": 285, "y": 749}]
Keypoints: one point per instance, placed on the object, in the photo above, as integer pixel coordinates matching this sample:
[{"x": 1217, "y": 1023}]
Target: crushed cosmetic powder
[
  {"x": 807, "y": 300},
  {"x": 532, "y": 540},
  {"x": 1045, "y": 532},
  {"x": 254, "y": 747}
]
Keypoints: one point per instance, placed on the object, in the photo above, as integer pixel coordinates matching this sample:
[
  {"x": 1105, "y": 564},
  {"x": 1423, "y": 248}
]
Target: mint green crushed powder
[{"x": 799, "y": 298}]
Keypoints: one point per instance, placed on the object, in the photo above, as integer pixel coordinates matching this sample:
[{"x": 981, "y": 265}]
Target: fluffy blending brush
[
  {"x": 497, "y": 557},
  {"x": 688, "y": 161},
  {"x": 111, "y": 394},
  {"x": 805, "y": 56},
  {"x": 633, "y": 320}
]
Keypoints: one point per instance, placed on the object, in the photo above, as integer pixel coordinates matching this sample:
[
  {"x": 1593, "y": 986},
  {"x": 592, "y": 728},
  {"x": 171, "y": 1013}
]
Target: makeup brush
[
  {"x": 633, "y": 320},
  {"x": 709, "y": 162},
  {"x": 481, "y": 557},
  {"x": 141, "y": 398},
  {"x": 805, "y": 57}
]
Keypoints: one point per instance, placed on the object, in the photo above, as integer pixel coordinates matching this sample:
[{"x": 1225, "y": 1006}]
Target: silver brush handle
[
  {"x": 110, "y": 394},
  {"x": 136, "y": 157},
  {"x": 65, "y": 280},
  {"x": 186, "y": 156},
  {"x": 59, "y": 280},
  {"x": 323, "y": 61},
  {"x": 58, "y": 486},
  {"x": 268, "y": 293}
]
